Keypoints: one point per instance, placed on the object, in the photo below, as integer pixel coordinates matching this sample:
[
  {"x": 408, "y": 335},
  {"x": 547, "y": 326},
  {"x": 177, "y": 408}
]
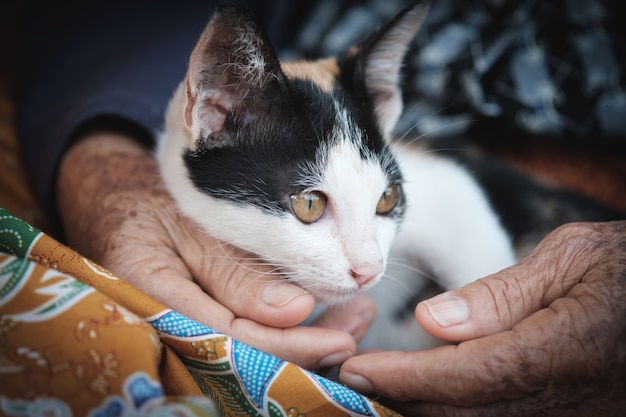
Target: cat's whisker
[
  {"x": 392, "y": 264},
  {"x": 406, "y": 143},
  {"x": 435, "y": 150},
  {"x": 401, "y": 263},
  {"x": 250, "y": 264},
  {"x": 274, "y": 274},
  {"x": 244, "y": 262},
  {"x": 280, "y": 286},
  {"x": 391, "y": 285},
  {"x": 421, "y": 120}
]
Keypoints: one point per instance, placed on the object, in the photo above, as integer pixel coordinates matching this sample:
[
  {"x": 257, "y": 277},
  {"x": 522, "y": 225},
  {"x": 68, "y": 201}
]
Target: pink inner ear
[
  {"x": 388, "y": 108},
  {"x": 231, "y": 59},
  {"x": 206, "y": 114},
  {"x": 383, "y": 61}
]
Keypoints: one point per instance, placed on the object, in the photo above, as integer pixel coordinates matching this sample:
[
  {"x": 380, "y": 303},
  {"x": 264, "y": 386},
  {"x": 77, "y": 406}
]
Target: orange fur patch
[{"x": 323, "y": 72}]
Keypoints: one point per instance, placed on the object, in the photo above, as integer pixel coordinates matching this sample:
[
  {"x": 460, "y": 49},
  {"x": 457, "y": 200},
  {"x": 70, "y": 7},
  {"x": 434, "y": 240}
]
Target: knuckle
[{"x": 511, "y": 297}]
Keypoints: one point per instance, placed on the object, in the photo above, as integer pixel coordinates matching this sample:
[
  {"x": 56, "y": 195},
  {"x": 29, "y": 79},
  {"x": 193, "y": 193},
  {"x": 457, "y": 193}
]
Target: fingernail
[
  {"x": 281, "y": 295},
  {"x": 334, "y": 359},
  {"x": 448, "y": 310},
  {"x": 356, "y": 382}
]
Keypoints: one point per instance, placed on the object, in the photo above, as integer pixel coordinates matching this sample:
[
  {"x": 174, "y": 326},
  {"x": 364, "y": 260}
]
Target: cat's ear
[
  {"x": 232, "y": 59},
  {"x": 377, "y": 64}
]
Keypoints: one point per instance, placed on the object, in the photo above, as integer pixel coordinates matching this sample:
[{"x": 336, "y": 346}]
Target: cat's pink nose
[{"x": 364, "y": 273}]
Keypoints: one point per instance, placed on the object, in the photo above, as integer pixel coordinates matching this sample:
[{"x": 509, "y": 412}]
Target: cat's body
[{"x": 292, "y": 162}]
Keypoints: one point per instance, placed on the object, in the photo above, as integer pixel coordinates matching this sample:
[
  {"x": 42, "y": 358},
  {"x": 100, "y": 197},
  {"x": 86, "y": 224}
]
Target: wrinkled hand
[
  {"x": 117, "y": 212},
  {"x": 544, "y": 337}
]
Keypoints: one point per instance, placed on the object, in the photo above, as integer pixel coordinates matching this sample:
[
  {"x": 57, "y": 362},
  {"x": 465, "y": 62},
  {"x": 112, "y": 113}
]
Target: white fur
[
  {"x": 449, "y": 225},
  {"x": 449, "y": 231}
]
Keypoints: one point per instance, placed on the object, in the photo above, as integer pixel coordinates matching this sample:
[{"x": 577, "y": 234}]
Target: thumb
[
  {"x": 239, "y": 280},
  {"x": 499, "y": 301}
]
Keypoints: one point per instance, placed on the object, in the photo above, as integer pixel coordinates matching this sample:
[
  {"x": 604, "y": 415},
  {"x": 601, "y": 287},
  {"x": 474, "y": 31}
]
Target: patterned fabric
[
  {"x": 534, "y": 67},
  {"x": 77, "y": 340}
]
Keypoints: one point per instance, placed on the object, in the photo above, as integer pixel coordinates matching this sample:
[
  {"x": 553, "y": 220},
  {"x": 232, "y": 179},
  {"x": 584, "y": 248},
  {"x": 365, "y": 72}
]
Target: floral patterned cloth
[{"x": 77, "y": 340}]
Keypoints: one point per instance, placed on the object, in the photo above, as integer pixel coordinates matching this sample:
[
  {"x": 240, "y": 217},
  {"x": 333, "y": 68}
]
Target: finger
[
  {"x": 312, "y": 348},
  {"x": 568, "y": 348},
  {"x": 309, "y": 347},
  {"x": 499, "y": 301},
  {"x": 472, "y": 373}
]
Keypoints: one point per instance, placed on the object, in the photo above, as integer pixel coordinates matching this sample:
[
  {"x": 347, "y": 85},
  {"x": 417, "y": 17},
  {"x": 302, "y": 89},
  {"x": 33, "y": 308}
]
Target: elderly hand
[
  {"x": 544, "y": 337},
  {"x": 117, "y": 212}
]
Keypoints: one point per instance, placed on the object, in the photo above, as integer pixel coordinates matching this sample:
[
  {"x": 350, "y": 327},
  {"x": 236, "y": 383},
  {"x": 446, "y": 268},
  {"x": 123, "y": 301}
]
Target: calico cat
[{"x": 294, "y": 162}]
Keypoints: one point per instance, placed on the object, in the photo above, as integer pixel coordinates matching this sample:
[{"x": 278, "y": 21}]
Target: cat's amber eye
[
  {"x": 388, "y": 199},
  {"x": 309, "y": 206}
]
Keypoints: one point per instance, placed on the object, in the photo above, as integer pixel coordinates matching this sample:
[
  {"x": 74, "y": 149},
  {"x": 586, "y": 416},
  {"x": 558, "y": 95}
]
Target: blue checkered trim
[
  {"x": 176, "y": 324},
  {"x": 255, "y": 368},
  {"x": 353, "y": 401}
]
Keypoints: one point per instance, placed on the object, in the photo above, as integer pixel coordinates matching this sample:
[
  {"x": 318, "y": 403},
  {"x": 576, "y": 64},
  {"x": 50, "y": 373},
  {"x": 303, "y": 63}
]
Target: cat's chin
[
  {"x": 334, "y": 296},
  {"x": 326, "y": 294}
]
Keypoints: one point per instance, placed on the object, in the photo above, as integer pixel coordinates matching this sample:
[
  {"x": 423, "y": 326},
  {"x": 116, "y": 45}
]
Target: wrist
[{"x": 99, "y": 180}]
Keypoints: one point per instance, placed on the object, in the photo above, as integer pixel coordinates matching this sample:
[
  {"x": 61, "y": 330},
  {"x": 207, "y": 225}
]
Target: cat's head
[{"x": 290, "y": 160}]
